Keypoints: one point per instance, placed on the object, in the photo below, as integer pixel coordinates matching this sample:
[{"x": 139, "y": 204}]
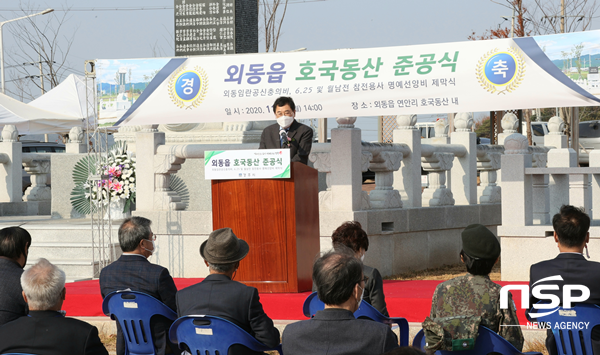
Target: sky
[
  {"x": 315, "y": 25},
  {"x": 311, "y": 24}
]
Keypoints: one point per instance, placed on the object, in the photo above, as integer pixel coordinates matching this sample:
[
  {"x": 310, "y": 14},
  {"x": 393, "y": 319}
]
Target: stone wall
[{"x": 400, "y": 240}]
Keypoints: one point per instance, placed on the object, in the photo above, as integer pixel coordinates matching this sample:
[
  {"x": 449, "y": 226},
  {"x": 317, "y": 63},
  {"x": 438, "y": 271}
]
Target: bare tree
[
  {"x": 520, "y": 29},
  {"x": 539, "y": 17},
  {"x": 566, "y": 56},
  {"x": 39, "y": 39},
  {"x": 546, "y": 15},
  {"x": 576, "y": 52},
  {"x": 273, "y": 21}
]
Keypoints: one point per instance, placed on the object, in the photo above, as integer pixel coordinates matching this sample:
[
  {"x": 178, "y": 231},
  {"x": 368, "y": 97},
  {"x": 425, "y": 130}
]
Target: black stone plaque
[
  {"x": 204, "y": 27},
  {"x": 593, "y": 70}
]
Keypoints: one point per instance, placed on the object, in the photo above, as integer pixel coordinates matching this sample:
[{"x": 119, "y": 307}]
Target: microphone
[{"x": 284, "y": 137}]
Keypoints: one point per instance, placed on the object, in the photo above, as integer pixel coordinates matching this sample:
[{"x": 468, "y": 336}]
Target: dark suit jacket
[
  {"x": 574, "y": 269},
  {"x": 138, "y": 274},
  {"x": 374, "y": 290},
  {"x": 218, "y": 295},
  {"x": 335, "y": 331},
  {"x": 49, "y": 333},
  {"x": 12, "y": 304},
  {"x": 301, "y": 135}
]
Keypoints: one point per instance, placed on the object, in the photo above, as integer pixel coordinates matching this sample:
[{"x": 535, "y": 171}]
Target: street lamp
[{"x": 47, "y": 11}]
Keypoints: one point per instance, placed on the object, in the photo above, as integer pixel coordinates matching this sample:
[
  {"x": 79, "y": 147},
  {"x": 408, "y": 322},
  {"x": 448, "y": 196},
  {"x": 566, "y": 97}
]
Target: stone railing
[
  {"x": 36, "y": 199},
  {"x": 38, "y": 166},
  {"x": 534, "y": 192}
]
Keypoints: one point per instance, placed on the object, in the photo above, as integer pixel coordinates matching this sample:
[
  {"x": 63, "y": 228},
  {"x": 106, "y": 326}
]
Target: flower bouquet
[{"x": 116, "y": 186}]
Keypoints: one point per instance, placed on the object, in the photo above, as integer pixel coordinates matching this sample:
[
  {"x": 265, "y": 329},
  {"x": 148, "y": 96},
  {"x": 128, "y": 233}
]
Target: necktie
[{"x": 281, "y": 139}]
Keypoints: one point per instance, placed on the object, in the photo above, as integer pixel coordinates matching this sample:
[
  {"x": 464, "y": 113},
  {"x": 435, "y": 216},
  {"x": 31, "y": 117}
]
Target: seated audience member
[
  {"x": 351, "y": 235},
  {"x": 218, "y": 295},
  {"x": 405, "y": 350},
  {"x": 46, "y": 331},
  {"x": 571, "y": 235},
  {"x": 334, "y": 330},
  {"x": 472, "y": 299},
  {"x": 14, "y": 247},
  {"x": 133, "y": 271}
]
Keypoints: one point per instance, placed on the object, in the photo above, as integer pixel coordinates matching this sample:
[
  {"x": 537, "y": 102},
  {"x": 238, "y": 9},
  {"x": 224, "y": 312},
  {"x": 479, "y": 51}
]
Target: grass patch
[
  {"x": 445, "y": 272},
  {"x": 109, "y": 341},
  {"x": 535, "y": 345}
]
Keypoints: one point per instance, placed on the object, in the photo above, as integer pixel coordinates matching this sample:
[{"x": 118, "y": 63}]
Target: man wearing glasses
[
  {"x": 287, "y": 132},
  {"x": 335, "y": 331},
  {"x": 132, "y": 271}
]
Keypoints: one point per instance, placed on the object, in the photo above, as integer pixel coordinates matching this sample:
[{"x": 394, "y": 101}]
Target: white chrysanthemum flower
[{"x": 132, "y": 179}]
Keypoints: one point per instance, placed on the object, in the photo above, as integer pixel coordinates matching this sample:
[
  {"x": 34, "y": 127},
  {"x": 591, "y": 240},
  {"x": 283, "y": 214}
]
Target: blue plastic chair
[
  {"x": 569, "y": 341},
  {"x": 487, "y": 342},
  {"x": 133, "y": 310},
  {"x": 208, "y": 334},
  {"x": 312, "y": 304}
]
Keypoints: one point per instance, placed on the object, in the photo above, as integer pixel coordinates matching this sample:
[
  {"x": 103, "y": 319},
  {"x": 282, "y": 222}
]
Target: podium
[{"x": 279, "y": 219}]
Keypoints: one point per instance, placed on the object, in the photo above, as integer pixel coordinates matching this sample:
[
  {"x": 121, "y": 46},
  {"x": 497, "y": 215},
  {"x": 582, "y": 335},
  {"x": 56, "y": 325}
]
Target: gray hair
[
  {"x": 132, "y": 231},
  {"x": 43, "y": 284},
  {"x": 222, "y": 268}
]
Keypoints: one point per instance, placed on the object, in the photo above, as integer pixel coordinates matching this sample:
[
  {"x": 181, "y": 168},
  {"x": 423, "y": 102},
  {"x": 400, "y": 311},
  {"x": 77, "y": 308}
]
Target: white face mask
[
  {"x": 361, "y": 297},
  {"x": 285, "y": 121},
  {"x": 362, "y": 257},
  {"x": 153, "y": 248}
]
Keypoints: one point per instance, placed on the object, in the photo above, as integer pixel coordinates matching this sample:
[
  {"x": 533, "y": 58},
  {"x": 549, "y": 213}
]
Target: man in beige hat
[{"x": 218, "y": 295}]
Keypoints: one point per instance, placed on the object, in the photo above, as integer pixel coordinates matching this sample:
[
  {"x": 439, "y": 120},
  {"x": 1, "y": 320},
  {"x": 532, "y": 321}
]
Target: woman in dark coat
[{"x": 351, "y": 235}]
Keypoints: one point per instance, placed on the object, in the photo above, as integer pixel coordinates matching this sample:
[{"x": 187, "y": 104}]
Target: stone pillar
[
  {"x": 441, "y": 132},
  {"x": 510, "y": 125},
  {"x": 464, "y": 172},
  {"x": 39, "y": 170},
  {"x": 578, "y": 191},
  {"x": 407, "y": 180},
  {"x": 384, "y": 164},
  {"x": 555, "y": 137},
  {"x": 76, "y": 144},
  {"x": 165, "y": 199},
  {"x": 147, "y": 140},
  {"x": 436, "y": 194},
  {"x": 346, "y": 169},
  {"x": 559, "y": 183},
  {"x": 322, "y": 162},
  {"x": 10, "y": 172},
  {"x": 517, "y": 209},
  {"x": 595, "y": 163},
  {"x": 541, "y": 199},
  {"x": 488, "y": 190}
]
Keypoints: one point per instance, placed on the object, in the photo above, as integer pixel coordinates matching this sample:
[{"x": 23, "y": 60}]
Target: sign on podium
[{"x": 274, "y": 207}]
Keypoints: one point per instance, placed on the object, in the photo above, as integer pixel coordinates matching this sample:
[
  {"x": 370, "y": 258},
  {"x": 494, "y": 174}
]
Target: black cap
[{"x": 480, "y": 243}]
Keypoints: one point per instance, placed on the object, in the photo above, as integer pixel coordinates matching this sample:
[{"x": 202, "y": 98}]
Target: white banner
[
  {"x": 438, "y": 78},
  {"x": 247, "y": 164}
]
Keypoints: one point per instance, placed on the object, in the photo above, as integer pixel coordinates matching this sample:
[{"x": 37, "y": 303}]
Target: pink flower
[
  {"x": 114, "y": 171},
  {"x": 117, "y": 186}
]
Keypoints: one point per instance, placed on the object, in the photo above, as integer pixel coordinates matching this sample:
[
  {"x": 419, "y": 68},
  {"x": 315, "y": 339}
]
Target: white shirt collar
[{"x": 134, "y": 254}]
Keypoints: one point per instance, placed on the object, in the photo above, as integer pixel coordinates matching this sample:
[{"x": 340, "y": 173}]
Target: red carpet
[{"x": 408, "y": 299}]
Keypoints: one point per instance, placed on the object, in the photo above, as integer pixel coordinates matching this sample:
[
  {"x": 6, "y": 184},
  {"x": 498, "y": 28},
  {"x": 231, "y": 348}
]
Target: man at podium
[{"x": 287, "y": 132}]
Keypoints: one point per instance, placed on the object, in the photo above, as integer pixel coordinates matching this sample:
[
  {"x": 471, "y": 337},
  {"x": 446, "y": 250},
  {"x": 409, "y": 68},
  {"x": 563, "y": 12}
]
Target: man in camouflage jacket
[{"x": 461, "y": 304}]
